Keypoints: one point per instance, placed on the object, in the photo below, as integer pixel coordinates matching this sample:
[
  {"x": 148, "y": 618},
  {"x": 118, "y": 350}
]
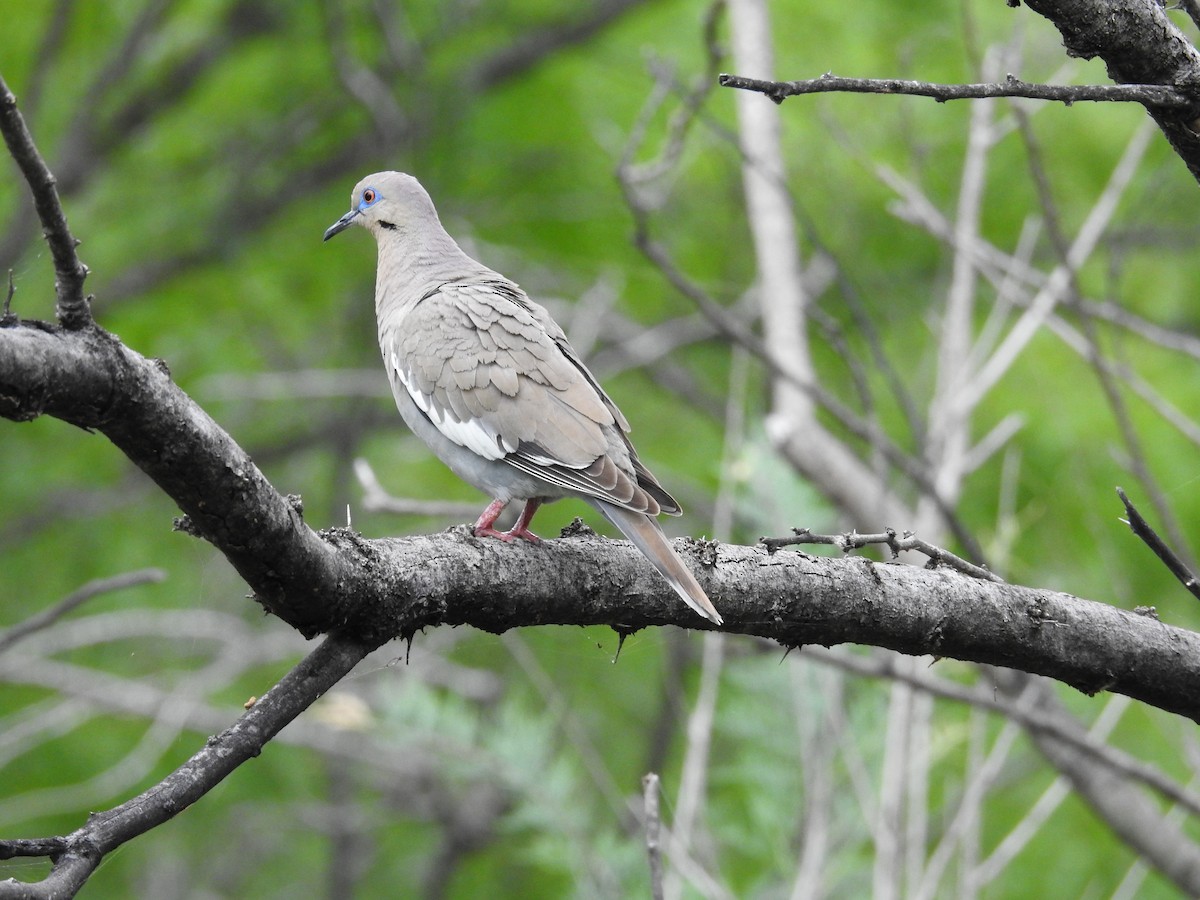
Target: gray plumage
[{"x": 488, "y": 381}]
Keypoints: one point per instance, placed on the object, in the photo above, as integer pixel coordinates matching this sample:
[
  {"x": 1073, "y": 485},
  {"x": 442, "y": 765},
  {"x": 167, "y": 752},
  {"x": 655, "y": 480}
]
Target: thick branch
[
  {"x": 385, "y": 589},
  {"x": 77, "y": 855},
  {"x": 69, "y": 271},
  {"x": 90, "y": 379},
  {"x": 1149, "y": 95}
]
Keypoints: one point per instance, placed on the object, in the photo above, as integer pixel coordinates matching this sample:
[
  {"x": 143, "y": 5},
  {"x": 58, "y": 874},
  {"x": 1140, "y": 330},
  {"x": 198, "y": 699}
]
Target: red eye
[{"x": 368, "y": 196}]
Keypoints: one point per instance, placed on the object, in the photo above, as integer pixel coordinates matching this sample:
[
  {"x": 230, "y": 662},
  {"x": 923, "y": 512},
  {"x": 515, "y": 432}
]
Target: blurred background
[{"x": 202, "y": 147}]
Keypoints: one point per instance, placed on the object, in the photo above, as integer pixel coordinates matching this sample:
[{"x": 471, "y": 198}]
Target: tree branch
[
  {"x": 454, "y": 579},
  {"x": 378, "y": 590},
  {"x": 70, "y": 272},
  {"x": 1149, "y": 95},
  {"x": 78, "y": 854},
  {"x": 90, "y": 379},
  {"x": 1139, "y": 526},
  {"x": 75, "y": 599},
  {"x": 897, "y": 543},
  {"x": 1151, "y": 61}
]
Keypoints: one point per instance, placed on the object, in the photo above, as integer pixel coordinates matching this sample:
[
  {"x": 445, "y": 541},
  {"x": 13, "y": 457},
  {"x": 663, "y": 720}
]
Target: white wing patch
[{"x": 472, "y": 433}]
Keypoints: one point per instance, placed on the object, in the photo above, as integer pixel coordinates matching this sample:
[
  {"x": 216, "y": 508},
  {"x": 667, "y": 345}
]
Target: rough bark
[
  {"x": 1140, "y": 45},
  {"x": 376, "y": 590}
]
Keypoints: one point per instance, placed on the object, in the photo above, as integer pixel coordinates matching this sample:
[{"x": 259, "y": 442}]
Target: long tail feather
[{"x": 648, "y": 537}]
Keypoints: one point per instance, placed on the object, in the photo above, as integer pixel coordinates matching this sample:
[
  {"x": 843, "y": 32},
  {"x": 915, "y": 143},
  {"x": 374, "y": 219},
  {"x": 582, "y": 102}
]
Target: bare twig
[
  {"x": 48, "y": 617},
  {"x": 377, "y": 499},
  {"x": 6, "y": 317},
  {"x": 1142, "y": 529},
  {"x": 1150, "y": 95},
  {"x": 70, "y": 272},
  {"x": 896, "y": 543},
  {"x": 653, "y": 825}
]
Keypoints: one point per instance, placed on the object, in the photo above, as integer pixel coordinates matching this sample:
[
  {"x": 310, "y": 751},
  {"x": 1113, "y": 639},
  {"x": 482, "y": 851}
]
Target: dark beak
[{"x": 341, "y": 224}]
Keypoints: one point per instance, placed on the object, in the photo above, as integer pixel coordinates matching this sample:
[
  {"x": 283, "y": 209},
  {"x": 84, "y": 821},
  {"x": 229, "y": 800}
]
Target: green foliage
[{"x": 202, "y": 216}]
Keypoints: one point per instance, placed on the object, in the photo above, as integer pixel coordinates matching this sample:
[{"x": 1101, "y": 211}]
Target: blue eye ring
[{"x": 369, "y": 196}]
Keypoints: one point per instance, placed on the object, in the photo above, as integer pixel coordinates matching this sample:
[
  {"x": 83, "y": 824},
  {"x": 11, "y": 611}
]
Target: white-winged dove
[{"x": 488, "y": 381}]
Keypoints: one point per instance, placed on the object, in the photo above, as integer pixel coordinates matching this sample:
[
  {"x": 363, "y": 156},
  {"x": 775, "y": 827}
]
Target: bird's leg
[
  {"x": 521, "y": 529},
  {"x": 483, "y": 526}
]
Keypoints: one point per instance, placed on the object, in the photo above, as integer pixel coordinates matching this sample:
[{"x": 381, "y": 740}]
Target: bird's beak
[{"x": 341, "y": 224}]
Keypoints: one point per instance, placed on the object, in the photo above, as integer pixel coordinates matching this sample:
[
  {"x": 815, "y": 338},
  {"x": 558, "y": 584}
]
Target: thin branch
[
  {"x": 697, "y": 758},
  {"x": 6, "y": 317},
  {"x": 896, "y": 543},
  {"x": 77, "y": 598},
  {"x": 1142, "y": 529},
  {"x": 1031, "y": 718},
  {"x": 377, "y": 499},
  {"x": 1058, "y": 285},
  {"x": 950, "y": 423},
  {"x": 1149, "y": 95},
  {"x": 77, "y": 855},
  {"x": 73, "y": 311},
  {"x": 653, "y": 825},
  {"x": 535, "y": 44}
]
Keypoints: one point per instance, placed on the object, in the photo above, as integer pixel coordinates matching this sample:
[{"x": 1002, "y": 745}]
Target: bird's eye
[{"x": 369, "y": 196}]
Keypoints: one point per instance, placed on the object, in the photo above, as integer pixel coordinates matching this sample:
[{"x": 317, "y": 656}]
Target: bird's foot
[
  {"x": 522, "y": 531},
  {"x": 506, "y": 536},
  {"x": 483, "y": 526}
]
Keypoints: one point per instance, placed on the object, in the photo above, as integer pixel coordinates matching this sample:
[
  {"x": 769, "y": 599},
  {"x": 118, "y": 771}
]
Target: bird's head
[{"x": 387, "y": 201}]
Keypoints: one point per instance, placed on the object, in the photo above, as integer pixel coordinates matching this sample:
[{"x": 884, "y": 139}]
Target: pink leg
[
  {"x": 487, "y": 518},
  {"x": 521, "y": 529},
  {"x": 484, "y": 525}
]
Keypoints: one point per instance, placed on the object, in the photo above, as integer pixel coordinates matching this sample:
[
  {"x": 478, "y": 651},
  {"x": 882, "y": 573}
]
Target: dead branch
[
  {"x": 69, "y": 270},
  {"x": 1149, "y": 95}
]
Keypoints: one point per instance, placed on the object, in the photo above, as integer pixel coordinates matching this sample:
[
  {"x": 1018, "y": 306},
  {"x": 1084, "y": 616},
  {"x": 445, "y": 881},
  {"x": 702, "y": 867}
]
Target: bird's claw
[{"x": 507, "y": 536}]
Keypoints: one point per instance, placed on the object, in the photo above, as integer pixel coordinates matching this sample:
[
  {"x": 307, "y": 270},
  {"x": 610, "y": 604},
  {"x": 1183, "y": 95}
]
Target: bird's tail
[{"x": 648, "y": 537}]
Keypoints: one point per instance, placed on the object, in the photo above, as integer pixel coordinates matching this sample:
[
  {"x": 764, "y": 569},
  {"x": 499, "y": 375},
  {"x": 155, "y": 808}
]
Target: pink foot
[
  {"x": 521, "y": 529},
  {"x": 483, "y": 526},
  {"x": 492, "y": 532}
]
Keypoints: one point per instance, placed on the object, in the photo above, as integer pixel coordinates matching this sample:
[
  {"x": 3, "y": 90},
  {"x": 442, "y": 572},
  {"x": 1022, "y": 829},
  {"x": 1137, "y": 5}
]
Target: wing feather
[{"x": 495, "y": 374}]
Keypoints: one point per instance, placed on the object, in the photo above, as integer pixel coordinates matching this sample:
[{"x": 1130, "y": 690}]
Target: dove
[{"x": 489, "y": 382}]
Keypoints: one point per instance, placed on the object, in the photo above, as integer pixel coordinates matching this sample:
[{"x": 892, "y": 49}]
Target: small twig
[
  {"x": 1142, "y": 529},
  {"x": 7, "y": 318},
  {"x": 650, "y": 783},
  {"x": 895, "y": 542},
  {"x": 77, "y": 598},
  {"x": 377, "y": 499},
  {"x": 69, "y": 270},
  {"x": 1150, "y": 95}
]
